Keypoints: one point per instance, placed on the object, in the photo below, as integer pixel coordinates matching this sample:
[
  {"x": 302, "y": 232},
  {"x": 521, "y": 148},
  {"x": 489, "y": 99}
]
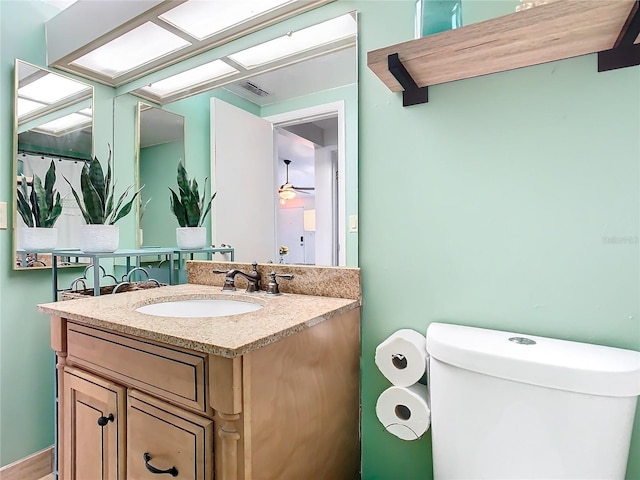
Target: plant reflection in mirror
[
  {"x": 40, "y": 210},
  {"x": 189, "y": 208}
]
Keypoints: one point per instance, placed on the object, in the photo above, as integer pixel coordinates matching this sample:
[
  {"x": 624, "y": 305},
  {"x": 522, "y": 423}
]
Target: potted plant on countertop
[
  {"x": 100, "y": 208},
  {"x": 39, "y": 210},
  {"x": 190, "y": 211}
]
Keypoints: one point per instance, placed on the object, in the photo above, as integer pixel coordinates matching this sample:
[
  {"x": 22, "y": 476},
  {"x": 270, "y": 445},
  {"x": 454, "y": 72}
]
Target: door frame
[{"x": 306, "y": 115}]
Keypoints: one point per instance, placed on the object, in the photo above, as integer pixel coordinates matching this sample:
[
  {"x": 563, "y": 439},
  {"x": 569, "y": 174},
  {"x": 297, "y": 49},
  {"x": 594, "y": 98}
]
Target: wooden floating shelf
[{"x": 555, "y": 31}]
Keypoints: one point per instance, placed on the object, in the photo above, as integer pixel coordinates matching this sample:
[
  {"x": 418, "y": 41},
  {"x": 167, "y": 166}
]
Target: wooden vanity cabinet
[
  {"x": 93, "y": 427},
  {"x": 285, "y": 411}
]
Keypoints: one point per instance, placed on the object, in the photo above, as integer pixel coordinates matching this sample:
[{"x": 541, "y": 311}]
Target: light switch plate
[
  {"x": 3, "y": 215},
  {"x": 353, "y": 223}
]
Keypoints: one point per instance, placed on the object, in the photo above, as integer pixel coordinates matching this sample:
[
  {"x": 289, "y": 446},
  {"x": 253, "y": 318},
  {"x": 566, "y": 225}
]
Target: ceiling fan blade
[
  {"x": 301, "y": 191},
  {"x": 304, "y": 188}
]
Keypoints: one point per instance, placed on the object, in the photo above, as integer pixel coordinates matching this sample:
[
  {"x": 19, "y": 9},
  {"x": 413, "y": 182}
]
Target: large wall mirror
[
  {"x": 53, "y": 122},
  {"x": 308, "y": 101},
  {"x": 160, "y": 145}
]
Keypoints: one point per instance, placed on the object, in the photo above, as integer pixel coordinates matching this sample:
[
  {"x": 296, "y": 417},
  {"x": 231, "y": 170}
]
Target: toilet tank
[{"x": 511, "y": 406}]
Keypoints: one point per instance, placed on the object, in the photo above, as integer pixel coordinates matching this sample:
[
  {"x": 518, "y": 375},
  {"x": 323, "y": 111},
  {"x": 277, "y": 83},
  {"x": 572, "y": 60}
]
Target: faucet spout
[{"x": 253, "y": 278}]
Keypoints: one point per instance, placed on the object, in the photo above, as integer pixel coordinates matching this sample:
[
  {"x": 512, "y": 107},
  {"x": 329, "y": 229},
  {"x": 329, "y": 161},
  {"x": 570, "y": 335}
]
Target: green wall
[
  {"x": 26, "y": 359},
  {"x": 509, "y": 201},
  {"x": 158, "y": 170},
  {"x": 493, "y": 205}
]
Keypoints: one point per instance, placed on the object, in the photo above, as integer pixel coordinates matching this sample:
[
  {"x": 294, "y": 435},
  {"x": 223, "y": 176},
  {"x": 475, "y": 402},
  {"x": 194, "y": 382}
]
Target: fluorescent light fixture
[
  {"x": 64, "y": 125},
  {"x": 50, "y": 89},
  {"x": 137, "y": 47},
  {"x": 204, "y": 73},
  {"x": 27, "y": 106},
  {"x": 202, "y": 19},
  {"x": 297, "y": 42}
]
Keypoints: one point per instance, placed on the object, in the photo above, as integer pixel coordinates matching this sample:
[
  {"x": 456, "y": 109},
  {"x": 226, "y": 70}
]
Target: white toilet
[{"x": 510, "y": 406}]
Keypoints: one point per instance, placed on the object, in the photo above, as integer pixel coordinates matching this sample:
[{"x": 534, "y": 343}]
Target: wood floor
[{"x": 48, "y": 477}]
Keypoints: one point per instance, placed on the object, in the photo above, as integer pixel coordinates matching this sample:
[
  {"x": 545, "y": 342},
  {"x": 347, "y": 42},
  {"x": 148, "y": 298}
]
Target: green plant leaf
[
  {"x": 178, "y": 209},
  {"x": 24, "y": 209},
  {"x": 183, "y": 179},
  {"x": 49, "y": 184},
  {"x": 92, "y": 201},
  {"x": 40, "y": 197},
  {"x": 97, "y": 181},
  {"x": 127, "y": 207},
  {"x": 83, "y": 210},
  {"x": 33, "y": 199},
  {"x": 55, "y": 212},
  {"x": 107, "y": 181},
  {"x": 191, "y": 205},
  {"x": 110, "y": 220},
  {"x": 206, "y": 211}
]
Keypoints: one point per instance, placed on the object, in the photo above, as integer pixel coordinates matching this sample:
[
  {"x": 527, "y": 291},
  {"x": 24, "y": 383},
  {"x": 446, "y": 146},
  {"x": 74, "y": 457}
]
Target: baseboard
[{"x": 32, "y": 467}]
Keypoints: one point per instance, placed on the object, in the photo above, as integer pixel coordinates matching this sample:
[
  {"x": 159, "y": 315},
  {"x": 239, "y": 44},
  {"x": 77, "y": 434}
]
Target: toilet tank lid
[{"x": 549, "y": 362}]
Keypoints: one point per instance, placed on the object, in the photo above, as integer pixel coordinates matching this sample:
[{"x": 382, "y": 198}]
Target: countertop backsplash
[{"x": 337, "y": 282}]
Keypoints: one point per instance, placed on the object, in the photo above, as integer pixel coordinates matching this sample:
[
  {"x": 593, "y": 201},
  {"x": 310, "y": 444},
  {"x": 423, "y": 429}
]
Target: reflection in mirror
[
  {"x": 160, "y": 147},
  {"x": 53, "y": 121},
  {"x": 320, "y": 82},
  {"x": 322, "y": 166}
]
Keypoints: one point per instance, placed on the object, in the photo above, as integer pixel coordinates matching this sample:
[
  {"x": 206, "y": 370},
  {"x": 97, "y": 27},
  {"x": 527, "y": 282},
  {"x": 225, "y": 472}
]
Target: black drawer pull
[
  {"x": 102, "y": 421},
  {"x": 173, "y": 471}
]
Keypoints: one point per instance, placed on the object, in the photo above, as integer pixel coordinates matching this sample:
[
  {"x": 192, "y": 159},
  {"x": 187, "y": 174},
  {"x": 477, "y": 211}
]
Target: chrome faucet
[{"x": 253, "y": 278}]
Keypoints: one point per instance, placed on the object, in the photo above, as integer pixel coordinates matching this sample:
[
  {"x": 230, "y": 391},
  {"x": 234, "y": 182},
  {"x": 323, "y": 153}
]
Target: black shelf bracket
[
  {"x": 624, "y": 53},
  {"x": 413, "y": 94}
]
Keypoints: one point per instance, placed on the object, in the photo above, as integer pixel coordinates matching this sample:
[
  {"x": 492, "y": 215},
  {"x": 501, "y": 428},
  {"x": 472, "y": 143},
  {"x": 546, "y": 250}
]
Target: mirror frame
[{"x": 14, "y": 196}]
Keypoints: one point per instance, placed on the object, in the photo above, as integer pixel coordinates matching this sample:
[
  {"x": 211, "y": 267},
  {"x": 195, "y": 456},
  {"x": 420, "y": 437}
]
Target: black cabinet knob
[{"x": 102, "y": 421}]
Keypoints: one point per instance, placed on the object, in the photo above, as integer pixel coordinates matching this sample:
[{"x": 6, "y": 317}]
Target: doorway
[
  {"x": 312, "y": 140},
  {"x": 306, "y": 172},
  {"x": 247, "y": 218}
]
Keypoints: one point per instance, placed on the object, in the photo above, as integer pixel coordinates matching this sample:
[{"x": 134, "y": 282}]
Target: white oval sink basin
[{"x": 199, "y": 308}]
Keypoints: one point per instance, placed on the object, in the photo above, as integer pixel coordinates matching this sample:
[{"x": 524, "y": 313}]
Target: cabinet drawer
[
  {"x": 172, "y": 373},
  {"x": 168, "y": 439}
]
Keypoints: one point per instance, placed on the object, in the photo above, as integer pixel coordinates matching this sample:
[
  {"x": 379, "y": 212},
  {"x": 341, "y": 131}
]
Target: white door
[{"x": 242, "y": 172}]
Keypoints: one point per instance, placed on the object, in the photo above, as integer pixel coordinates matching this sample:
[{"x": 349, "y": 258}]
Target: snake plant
[
  {"x": 38, "y": 209},
  {"x": 98, "y": 205},
  {"x": 189, "y": 208}
]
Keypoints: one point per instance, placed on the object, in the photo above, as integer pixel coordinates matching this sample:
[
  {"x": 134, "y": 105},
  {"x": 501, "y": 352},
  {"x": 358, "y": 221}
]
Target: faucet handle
[
  {"x": 272, "y": 286},
  {"x": 228, "y": 280}
]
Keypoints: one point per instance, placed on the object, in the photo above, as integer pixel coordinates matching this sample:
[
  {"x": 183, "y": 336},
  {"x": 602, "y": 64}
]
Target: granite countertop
[{"x": 229, "y": 336}]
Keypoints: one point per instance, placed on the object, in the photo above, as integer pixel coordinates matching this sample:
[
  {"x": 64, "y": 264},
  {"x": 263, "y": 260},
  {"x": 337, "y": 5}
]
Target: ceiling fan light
[{"x": 286, "y": 192}]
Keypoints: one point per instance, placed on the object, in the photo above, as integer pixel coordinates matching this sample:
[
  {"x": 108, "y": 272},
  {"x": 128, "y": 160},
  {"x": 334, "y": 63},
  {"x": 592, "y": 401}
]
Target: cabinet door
[
  {"x": 92, "y": 427},
  {"x": 162, "y": 438}
]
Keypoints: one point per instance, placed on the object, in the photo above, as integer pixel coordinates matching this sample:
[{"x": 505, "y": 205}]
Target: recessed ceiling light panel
[
  {"x": 297, "y": 42},
  {"x": 51, "y": 89},
  {"x": 27, "y": 106},
  {"x": 201, "y": 19},
  {"x": 64, "y": 125},
  {"x": 204, "y": 73},
  {"x": 137, "y": 47}
]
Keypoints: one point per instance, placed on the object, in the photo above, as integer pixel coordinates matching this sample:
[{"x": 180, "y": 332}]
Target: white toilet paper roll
[
  {"x": 402, "y": 358},
  {"x": 404, "y": 411}
]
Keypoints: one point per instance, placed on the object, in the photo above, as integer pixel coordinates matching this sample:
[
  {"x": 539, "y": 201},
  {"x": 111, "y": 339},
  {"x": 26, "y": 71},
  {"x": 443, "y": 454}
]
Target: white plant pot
[
  {"x": 99, "y": 238},
  {"x": 190, "y": 238},
  {"x": 31, "y": 239}
]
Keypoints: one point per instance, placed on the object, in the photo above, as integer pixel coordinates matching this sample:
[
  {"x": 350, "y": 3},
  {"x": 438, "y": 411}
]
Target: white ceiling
[
  {"x": 329, "y": 71},
  {"x": 325, "y": 72}
]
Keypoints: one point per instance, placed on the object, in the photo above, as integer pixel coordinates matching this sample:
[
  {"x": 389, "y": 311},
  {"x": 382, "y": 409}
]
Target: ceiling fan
[{"x": 288, "y": 191}]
